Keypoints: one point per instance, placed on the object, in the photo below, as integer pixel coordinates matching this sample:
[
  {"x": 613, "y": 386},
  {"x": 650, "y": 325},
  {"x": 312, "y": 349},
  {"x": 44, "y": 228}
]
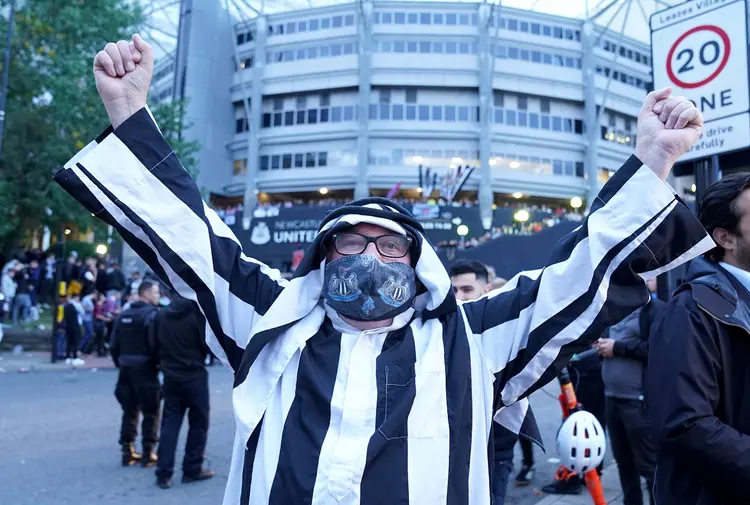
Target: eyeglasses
[{"x": 390, "y": 246}]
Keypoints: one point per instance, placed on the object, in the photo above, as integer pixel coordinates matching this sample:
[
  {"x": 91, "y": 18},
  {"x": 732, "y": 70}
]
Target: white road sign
[{"x": 700, "y": 49}]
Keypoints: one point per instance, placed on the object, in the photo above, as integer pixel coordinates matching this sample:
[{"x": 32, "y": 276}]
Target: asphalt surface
[{"x": 58, "y": 437}]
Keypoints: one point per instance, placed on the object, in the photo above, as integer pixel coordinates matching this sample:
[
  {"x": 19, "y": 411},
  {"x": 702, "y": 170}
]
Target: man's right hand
[{"x": 123, "y": 73}]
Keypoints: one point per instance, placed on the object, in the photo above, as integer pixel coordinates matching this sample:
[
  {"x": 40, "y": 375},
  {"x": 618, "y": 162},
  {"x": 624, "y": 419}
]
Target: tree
[
  {"x": 53, "y": 109},
  {"x": 170, "y": 116}
]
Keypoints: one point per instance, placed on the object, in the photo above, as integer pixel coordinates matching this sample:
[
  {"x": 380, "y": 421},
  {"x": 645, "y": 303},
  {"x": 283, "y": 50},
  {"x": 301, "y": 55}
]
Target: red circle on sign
[{"x": 727, "y": 49}]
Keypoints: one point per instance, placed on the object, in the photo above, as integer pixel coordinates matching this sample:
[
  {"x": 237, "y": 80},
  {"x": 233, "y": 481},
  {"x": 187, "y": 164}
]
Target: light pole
[
  {"x": 6, "y": 70},
  {"x": 462, "y": 231}
]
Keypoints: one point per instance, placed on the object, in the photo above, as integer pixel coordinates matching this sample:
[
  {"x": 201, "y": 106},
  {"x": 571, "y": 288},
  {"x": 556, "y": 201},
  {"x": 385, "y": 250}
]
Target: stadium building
[{"x": 348, "y": 100}]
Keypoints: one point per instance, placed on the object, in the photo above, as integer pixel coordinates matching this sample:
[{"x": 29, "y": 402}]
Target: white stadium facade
[{"x": 351, "y": 98}]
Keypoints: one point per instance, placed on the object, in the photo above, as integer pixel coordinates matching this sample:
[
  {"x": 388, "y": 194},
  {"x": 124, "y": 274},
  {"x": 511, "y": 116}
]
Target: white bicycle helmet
[{"x": 581, "y": 442}]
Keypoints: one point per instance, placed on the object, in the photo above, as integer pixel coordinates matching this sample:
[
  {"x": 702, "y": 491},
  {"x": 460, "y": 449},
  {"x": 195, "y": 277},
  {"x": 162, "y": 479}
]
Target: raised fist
[
  {"x": 123, "y": 73},
  {"x": 667, "y": 127}
]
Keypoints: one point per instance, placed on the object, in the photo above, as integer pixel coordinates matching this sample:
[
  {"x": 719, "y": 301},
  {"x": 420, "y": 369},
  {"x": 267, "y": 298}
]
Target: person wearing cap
[{"x": 361, "y": 380}]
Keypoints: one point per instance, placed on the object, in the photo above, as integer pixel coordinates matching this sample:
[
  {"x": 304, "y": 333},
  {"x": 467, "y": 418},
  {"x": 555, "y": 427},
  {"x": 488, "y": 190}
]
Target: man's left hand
[
  {"x": 667, "y": 127},
  {"x": 605, "y": 346}
]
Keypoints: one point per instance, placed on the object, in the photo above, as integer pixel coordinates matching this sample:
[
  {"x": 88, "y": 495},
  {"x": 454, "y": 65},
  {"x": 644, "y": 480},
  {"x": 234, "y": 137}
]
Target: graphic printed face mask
[{"x": 362, "y": 287}]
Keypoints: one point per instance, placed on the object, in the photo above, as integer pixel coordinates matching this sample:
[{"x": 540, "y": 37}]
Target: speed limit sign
[{"x": 699, "y": 48}]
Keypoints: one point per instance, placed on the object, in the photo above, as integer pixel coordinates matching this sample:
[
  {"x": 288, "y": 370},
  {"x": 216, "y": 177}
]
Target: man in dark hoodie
[
  {"x": 701, "y": 349},
  {"x": 182, "y": 350},
  {"x": 138, "y": 389}
]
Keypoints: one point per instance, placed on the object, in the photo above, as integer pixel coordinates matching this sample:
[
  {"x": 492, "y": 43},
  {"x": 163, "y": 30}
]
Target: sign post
[{"x": 700, "y": 49}]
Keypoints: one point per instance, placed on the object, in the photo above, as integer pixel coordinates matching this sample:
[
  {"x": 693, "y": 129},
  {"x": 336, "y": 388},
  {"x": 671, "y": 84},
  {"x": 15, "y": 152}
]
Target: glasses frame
[{"x": 369, "y": 240}]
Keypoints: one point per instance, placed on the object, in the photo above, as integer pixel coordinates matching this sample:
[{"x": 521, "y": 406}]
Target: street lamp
[
  {"x": 521, "y": 216},
  {"x": 101, "y": 249},
  {"x": 67, "y": 231},
  {"x": 462, "y": 231},
  {"x": 576, "y": 202}
]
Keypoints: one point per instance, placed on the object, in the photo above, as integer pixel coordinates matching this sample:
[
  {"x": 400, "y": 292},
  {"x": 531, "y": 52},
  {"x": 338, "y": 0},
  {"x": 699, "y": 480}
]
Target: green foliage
[
  {"x": 170, "y": 116},
  {"x": 53, "y": 109}
]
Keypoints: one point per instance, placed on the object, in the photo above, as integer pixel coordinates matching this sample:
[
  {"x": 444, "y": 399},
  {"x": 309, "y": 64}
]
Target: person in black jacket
[
  {"x": 133, "y": 351},
  {"x": 698, "y": 391},
  {"x": 625, "y": 353},
  {"x": 180, "y": 340}
]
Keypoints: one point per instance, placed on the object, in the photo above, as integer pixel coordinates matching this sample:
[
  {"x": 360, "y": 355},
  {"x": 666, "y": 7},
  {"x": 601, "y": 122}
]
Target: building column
[
  {"x": 486, "y": 101},
  {"x": 364, "y": 26},
  {"x": 590, "y": 120},
  {"x": 256, "y": 114}
]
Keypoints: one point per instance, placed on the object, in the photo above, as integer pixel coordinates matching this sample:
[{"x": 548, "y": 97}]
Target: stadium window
[
  {"x": 310, "y": 160},
  {"x": 437, "y": 47},
  {"x": 373, "y": 111},
  {"x": 335, "y": 114},
  {"x": 524, "y": 54},
  {"x": 534, "y": 120},
  {"x": 437, "y": 113},
  {"x": 397, "y": 156},
  {"x": 544, "y": 105},
  {"x": 463, "y": 113},
  {"x": 556, "y": 123},
  {"x": 312, "y": 116},
  {"x": 569, "y": 168},
  {"x": 336, "y": 50},
  {"x": 499, "y": 116},
  {"x": 545, "y": 122},
  {"x": 275, "y": 162},
  {"x": 387, "y": 18},
  {"x": 547, "y": 58},
  {"x": 424, "y": 112},
  {"x": 437, "y": 19},
  {"x": 399, "y": 46},
  {"x": 239, "y": 125},
  {"x": 558, "y": 32},
  {"x": 450, "y": 19},
  {"x": 463, "y": 47},
  {"x": 475, "y": 20},
  {"x": 291, "y": 27},
  {"x": 289, "y": 118},
  {"x": 523, "y": 102},
  {"x": 411, "y": 112},
  {"x": 400, "y": 18},
  {"x": 411, "y": 46},
  {"x": 579, "y": 169},
  {"x": 546, "y": 30},
  {"x": 522, "y": 119},
  {"x": 278, "y": 119},
  {"x": 499, "y": 99},
  {"x": 301, "y": 115},
  {"x": 559, "y": 60},
  {"x": 411, "y": 95},
  {"x": 312, "y": 53},
  {"x": 278, "y": 104},
  {"x": 323, "y": 159},
  {"x": 263, "y": 163},
  {"x": 324, "y": 115},
  {"x": 513, "y": 24},
  {"x": 569, "y": 34},
  {"x": 385, "y": 111},
  {"x": 536, "y": 56},
  {"x": 424, "y": 47},
  {"x": 412, "y": 18},
  {"x": 510, "y": 117},
  {"x": 324, "y": 51},
  {"x": 301, "y": 54},
  {"x": 578, "y": 126},
  {"x": 349, "y": 20},
  {"x": 325, "y": 23},
  {"x": 240, "y": 38},
  {"x": 536, "y": 29},
  {"x": 299, "y": 160},
  {"x": 501, "y": 52},
  {"x": 313, "y": 25},
  {"x": 286, "y": 161},
  {"x": 337, "y": 21},
  {"x": 450, "y": 112},
  {"x": 513, "y": 53},
  {"x": 450, "y": 47},
  {"x": 463, "y": 19},
  {"x": 349, "y": 113},
  {"x": 398, "y": 112},
  {"x": 348, "y": 48},
  {"x": 267, "y": 120},
  {"x": 567, "y": 125},
  {"x": 524, "y": 26},
  {"x": 425, "y": 18},
  {"x": 557, "y": 167}
]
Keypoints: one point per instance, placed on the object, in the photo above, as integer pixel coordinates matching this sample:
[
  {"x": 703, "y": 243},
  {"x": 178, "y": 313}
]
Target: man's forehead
[
  {"x": 371, "y": 229},
  {"x": 465, "y": 278}
]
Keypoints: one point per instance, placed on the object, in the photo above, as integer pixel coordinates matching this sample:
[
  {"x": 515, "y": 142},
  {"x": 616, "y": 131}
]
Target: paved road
[{"x": 58, "y": 437}]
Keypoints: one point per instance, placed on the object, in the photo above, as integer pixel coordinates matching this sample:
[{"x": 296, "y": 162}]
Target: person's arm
[
  {"x": 595, "y": 277},
  {"x": 114, "y": 344},
  {"x": 688, "y": 386},
  {"x": 130, "y": 178}
]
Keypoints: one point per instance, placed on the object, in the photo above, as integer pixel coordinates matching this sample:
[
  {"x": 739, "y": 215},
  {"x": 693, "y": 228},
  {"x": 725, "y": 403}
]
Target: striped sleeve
[
  {"x": 131, "y": 179},
  {"x": 636, "y": 229}
]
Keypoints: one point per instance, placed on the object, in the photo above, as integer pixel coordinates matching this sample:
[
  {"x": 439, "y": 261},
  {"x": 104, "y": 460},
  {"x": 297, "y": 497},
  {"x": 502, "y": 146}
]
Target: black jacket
[
  {"x": 133, "y": 337},
  {"x": 699, "y": 382},
  {"x": 180, "y": 340}
]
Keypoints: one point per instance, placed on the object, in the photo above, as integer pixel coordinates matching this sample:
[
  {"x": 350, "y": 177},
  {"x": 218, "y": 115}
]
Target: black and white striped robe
[{"x": 330, "y": 415}]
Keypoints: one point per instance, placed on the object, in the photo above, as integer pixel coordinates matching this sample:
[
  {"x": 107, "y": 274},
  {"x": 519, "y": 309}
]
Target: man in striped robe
[{"x": 336, "y": 409}]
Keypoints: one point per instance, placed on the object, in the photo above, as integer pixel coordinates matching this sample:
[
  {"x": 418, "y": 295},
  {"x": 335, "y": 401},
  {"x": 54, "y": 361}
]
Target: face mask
[{"x": 363, "y": 288}]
